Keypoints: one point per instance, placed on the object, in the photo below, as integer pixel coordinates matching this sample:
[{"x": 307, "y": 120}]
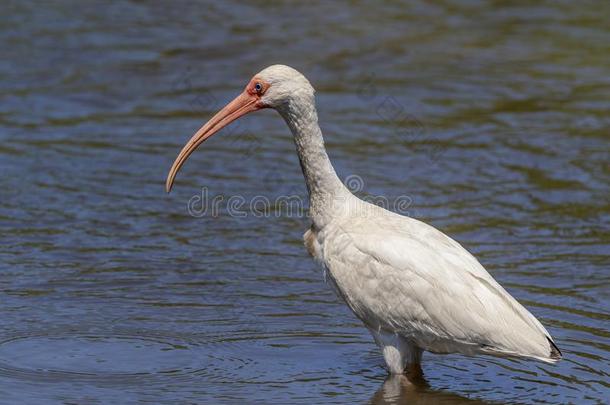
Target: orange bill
[{"x": 240, "y": 106}]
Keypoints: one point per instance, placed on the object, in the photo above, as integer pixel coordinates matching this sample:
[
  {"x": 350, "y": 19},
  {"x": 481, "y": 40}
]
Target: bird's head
[
  {"x": 273, "y": 87},
  {"x": 279, "y": 85}
]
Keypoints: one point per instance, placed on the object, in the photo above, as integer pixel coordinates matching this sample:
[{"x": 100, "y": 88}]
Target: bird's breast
[{"x": 313, "y": 245}]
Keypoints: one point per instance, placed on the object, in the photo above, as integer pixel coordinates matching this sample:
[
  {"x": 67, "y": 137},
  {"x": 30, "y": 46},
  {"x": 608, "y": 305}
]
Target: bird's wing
[{"x": 400, "y": 274}]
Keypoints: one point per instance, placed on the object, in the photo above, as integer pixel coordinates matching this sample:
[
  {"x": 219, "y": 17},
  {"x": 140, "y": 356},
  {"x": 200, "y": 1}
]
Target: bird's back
[{"x": 402, "y": 275}]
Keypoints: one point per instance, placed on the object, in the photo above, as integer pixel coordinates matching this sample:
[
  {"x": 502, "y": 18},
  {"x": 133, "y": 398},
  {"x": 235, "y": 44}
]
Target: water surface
[{"x": 491, "y": 117}]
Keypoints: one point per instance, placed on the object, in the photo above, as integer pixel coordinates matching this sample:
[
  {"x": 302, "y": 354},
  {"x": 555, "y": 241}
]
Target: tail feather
[
  {"x": 555, "y": 352},
  {"x": 553, "y": 357}
]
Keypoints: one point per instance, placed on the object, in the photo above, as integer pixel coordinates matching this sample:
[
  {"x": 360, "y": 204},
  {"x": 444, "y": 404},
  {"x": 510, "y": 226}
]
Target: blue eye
[{"x": 258, "y": 87}]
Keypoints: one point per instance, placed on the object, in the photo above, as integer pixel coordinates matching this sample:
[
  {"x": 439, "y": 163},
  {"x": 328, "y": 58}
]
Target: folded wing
[{"x": 401, "y": 275}]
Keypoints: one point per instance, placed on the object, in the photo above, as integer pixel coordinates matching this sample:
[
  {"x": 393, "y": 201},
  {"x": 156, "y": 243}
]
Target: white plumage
[
  {"x": 417, "y": 289},
  {"x": 414, "y": 287}
]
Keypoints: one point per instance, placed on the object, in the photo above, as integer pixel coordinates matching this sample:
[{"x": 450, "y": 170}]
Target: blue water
[{"x": 491, "y": 117}]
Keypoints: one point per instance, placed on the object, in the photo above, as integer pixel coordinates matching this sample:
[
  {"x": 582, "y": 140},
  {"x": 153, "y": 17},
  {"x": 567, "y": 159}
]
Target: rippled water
[{"x": 492, "y": 117}]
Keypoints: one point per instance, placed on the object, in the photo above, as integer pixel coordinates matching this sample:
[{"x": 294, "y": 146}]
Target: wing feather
[{"x": 402, "y": 275}]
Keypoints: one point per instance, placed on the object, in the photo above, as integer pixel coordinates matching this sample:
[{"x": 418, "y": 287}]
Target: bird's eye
[{"x": 258, "y": 87}]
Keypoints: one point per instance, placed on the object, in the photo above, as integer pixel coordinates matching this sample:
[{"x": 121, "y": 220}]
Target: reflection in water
[{"x": 400, "y": 390}]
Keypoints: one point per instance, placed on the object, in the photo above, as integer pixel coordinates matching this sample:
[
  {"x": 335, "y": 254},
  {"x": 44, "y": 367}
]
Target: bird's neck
[{"x": 327, "y": 194}]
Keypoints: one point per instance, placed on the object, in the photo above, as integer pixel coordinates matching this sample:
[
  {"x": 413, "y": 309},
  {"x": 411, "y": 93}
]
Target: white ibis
[{"x": 413, "y": 287}]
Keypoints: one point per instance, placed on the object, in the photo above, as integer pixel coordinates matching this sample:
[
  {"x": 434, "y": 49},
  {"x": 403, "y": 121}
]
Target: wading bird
[{"x": 413, "y": 287}]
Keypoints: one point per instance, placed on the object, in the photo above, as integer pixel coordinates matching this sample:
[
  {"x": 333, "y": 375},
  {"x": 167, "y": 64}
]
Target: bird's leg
[
  {"x": 413, "y": 370},
  {"x": 400, "y": 355},
  {"x": 415, "y": 374}
]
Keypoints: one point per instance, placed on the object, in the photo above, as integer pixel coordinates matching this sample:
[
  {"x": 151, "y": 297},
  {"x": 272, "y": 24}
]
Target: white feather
[
  {"x": 402, "y": 276},
  {"x": 414, "y": 287}
]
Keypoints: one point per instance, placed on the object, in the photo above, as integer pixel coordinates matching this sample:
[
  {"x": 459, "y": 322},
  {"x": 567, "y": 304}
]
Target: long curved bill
[{"x": 240, "y": 106}]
